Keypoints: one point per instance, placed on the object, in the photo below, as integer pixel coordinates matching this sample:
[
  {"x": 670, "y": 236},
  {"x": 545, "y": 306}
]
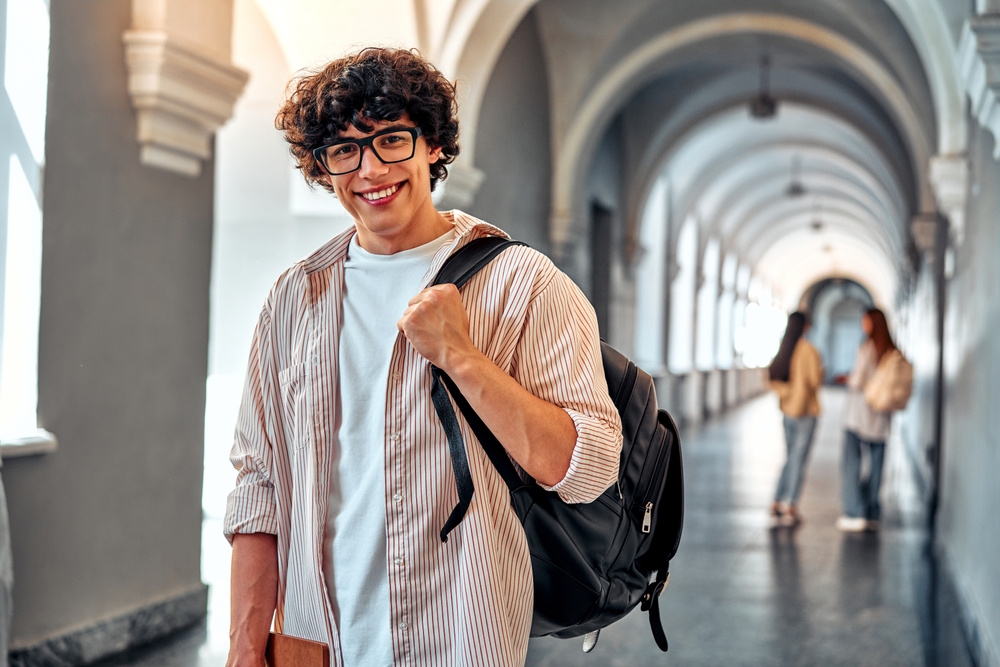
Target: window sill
[{"x": 41, "y": 443}]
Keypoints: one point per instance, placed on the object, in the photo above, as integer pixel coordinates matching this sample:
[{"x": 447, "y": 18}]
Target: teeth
[{"x": 381, "y": 194}]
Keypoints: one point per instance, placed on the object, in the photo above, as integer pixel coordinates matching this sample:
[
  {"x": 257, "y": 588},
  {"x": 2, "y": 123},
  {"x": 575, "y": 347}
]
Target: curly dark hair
[{"x": 375, "y": 84}]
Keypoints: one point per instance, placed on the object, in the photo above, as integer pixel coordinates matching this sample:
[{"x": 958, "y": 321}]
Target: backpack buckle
[{"x": 653, "y": 591}]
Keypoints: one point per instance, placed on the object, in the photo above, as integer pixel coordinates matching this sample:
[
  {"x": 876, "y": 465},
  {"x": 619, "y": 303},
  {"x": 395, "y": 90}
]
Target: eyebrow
[{"x": 391, "y": 128}]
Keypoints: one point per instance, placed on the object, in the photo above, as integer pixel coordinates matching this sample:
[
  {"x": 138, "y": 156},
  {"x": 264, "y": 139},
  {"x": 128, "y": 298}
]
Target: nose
[{"x": 371, "y": 166}]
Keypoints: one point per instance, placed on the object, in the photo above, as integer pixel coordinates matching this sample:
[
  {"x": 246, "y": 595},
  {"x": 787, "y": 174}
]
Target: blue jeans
[
  {"x": 798, "y": 437},
  {"x": 860, "y": 496}
]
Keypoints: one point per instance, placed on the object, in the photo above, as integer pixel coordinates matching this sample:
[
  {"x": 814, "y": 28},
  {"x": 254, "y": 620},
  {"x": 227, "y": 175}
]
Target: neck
[{"x": 426, "y": 225}]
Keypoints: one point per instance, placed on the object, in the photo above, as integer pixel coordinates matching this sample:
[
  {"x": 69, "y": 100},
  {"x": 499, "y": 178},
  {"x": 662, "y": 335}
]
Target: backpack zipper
[{"x": 647, "y": 518}]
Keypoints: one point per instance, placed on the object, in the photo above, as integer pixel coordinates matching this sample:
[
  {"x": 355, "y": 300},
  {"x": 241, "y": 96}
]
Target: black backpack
[{"x": 591, "y": 563}]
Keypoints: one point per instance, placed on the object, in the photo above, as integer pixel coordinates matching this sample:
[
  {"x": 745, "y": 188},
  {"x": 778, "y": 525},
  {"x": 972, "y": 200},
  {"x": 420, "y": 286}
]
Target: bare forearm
[
  {"x": 540, "y": 436},
  {"x": 254, "y": 595}
]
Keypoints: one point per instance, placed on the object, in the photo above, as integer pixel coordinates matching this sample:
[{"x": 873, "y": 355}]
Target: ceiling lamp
[
  {"x": 795, "y": 187},
  {"x": 816, "y": 225},
  {"x": 764, "y": 106}
]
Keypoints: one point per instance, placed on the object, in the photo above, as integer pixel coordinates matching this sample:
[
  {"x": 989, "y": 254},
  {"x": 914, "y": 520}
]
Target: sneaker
[
  {"x": 790, "y": 517},
  {"x": 852, "y": 524},
  {"x": 775, "y": 516}
]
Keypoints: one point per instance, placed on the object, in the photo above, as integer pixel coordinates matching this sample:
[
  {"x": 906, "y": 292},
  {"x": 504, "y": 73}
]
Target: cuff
[
  {"x": 594, "y": 465},
  {"x": 250, "y": 509}
]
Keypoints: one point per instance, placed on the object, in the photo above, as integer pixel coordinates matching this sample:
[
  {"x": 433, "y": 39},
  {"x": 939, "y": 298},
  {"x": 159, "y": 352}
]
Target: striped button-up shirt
[{"x": 464, "y": 602}]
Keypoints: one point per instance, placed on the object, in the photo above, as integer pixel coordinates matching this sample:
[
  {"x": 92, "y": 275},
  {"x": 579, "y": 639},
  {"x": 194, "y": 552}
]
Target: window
[
  {"x": 682, "y": 296},
  {"x": 22, "y": 142}
]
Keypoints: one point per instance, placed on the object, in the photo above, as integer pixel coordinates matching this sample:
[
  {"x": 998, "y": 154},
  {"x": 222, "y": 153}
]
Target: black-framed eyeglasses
[{"x": 389, "y": 146}]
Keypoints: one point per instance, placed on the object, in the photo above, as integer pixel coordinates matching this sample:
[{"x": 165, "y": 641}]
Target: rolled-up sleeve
[
  {"x": 558, "y": 359},
  {"x": 252, "y": 507}
]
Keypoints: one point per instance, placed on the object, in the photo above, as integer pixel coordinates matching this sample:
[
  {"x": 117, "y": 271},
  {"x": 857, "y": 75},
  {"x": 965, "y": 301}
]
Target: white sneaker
[{"x": 852, "y": 524}]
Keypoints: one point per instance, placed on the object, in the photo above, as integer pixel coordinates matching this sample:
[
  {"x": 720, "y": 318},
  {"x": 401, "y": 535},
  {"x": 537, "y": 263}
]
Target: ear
[{"x": 434, "y": 154}]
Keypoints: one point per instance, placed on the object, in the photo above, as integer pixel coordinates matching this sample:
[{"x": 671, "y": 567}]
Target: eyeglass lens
[{"x": 391, "y": 147}]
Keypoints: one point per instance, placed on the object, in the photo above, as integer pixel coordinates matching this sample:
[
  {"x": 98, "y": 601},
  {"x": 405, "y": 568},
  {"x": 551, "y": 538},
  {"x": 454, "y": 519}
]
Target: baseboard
[
  {"x": 982, "y": 649},
  {"x": 114, "y": 635}
]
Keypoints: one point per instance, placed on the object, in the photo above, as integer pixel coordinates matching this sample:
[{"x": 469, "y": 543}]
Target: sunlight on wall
[
  {"x": 26, "y": 68},
  {"x": 707, "y": 305},
  {"x": 22, "y": 285},
  {"x": 759, "y": 339},
  {"x": 650, "y": 284},
  {"x": 727, "y": 300},
  {"x": 682, "y": 297}
]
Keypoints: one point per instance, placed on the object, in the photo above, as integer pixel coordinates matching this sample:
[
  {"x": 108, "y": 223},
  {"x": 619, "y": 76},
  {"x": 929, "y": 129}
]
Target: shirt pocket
[{"x": 294, "y": 404}]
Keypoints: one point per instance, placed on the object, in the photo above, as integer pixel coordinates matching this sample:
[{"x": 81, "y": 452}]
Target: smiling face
[{"x": 391, "y": 203}]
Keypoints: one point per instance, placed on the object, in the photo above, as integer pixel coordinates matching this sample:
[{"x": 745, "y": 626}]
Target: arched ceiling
[
  {"x": 733, "y": 173},
  {"x": 843, "y": 58},
  {"x": 588, "y": 38},
  {"x": 874, "y": 86},
  {"x": 668, "y": 109},
  {"x": 856, "y": 114}
]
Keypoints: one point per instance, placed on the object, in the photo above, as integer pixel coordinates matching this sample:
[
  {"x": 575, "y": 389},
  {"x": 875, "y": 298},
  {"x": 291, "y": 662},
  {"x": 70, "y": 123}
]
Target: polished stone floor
[{"x": 741, "y": 593}]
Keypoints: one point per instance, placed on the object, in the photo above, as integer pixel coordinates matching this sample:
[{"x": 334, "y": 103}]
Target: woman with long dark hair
[
  {"x": 796, "y": 375},
  {"x": 865, "y": 430}
]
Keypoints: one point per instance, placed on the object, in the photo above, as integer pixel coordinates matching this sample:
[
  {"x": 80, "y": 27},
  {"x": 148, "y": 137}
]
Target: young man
[{"x": 345, "y": 478}]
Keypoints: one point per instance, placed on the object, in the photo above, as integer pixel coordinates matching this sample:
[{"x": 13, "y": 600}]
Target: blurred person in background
[
  {"x": 865, "y": 430},
  {"x": 795, "y": 375}
]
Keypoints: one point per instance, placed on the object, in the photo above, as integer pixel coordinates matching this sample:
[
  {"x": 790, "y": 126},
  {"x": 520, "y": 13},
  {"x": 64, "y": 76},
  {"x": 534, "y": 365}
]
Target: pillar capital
[
  {"x": 923, "y": 228},
  {"x": 181, "y": 81},
  {"x": 949, "y": 175}
]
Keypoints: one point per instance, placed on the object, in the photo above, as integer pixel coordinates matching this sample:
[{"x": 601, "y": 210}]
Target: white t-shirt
[{"x": 376, "y": 291}]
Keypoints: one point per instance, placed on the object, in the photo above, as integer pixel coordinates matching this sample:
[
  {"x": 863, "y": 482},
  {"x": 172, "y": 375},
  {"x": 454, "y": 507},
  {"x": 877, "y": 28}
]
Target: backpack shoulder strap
[
  {"x": 467, "y": 261},
  {"x": 461, "y": 266}
]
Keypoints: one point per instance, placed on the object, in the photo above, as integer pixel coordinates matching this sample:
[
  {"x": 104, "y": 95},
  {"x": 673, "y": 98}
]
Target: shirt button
[
  {"x": 394, "y": 437},
  {"x": 403, "y": 626},
  {"x": 397, "y": 376},
  {"x": 315, "y": 361},
  {"x": 397, "y": 498},
  {"x": 397, "y": 560}
]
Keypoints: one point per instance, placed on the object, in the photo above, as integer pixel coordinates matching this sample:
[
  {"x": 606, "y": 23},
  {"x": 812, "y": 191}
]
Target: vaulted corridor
[{"x": 700, "y": 169}]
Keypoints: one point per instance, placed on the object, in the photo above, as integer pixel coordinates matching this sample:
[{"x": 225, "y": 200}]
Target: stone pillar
[{"x": 106, "y": 530}]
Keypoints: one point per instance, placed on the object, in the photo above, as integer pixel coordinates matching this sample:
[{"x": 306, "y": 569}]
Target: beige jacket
[{"x": 798, "y": 396}]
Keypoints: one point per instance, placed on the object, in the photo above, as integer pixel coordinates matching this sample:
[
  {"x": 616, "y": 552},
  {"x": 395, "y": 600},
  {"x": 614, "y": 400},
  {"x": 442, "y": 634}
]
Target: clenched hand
[{"x": 437, "y": 326}]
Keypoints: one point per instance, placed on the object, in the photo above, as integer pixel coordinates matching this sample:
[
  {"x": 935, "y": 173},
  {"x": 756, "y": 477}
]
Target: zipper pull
[
  {"x": 619, "y": 487},
  {"x": 647, "y": 518}
]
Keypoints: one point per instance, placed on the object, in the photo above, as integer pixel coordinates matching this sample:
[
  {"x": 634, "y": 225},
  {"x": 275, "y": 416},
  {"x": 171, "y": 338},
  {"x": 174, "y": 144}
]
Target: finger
[
  {"x": 422, "y": 295},
  {"x": 404, "y": 321}
]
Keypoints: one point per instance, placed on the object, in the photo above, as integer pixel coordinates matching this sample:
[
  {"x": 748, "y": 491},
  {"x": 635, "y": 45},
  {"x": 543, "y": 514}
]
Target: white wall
[{"x": 969, "y": 529}]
